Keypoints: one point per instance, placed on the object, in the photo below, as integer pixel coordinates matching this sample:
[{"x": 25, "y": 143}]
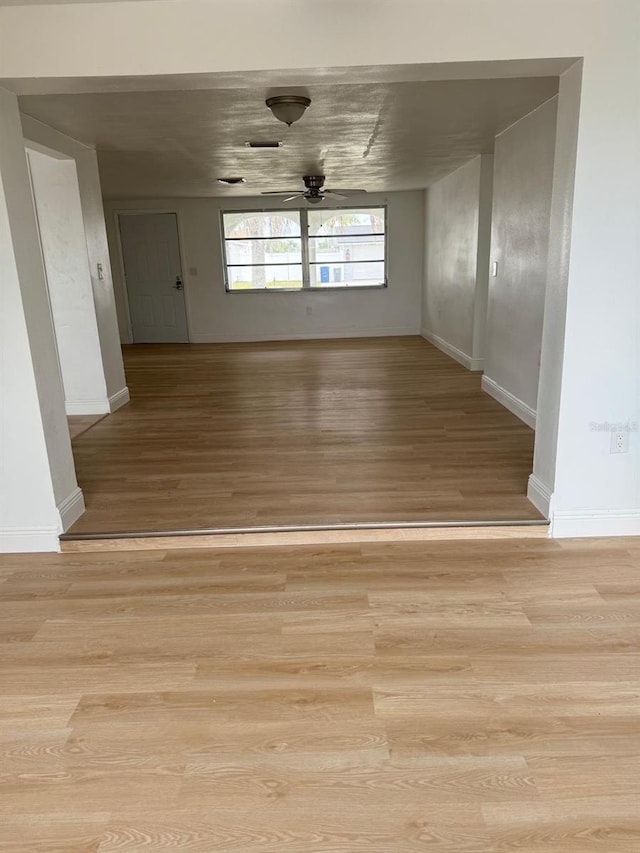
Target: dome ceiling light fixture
[{"x": 288, "y": 108}]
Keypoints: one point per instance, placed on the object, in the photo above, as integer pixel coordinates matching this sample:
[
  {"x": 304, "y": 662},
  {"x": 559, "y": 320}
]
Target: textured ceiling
[
  {"x": 379, "y": 136},
  {"x": 53, "y": 2}
]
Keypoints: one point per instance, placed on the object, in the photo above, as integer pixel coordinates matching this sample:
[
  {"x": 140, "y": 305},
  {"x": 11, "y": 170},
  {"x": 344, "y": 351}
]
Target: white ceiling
[
  {"x": 377, "y": 135},
  {"x": 54, "y": 2}
]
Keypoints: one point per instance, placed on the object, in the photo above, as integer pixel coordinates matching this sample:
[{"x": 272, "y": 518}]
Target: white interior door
[{"x": 151, "y": 254}]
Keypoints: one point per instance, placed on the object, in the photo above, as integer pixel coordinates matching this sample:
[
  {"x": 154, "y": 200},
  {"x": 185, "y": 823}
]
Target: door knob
[{"x": 178, "y": 285}]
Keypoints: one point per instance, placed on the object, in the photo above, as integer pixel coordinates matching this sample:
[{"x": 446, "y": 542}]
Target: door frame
[{"x": 124, "y": 211}]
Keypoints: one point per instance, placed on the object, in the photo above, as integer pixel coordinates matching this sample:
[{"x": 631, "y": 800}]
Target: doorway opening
[{"x": 253, "y": 384}]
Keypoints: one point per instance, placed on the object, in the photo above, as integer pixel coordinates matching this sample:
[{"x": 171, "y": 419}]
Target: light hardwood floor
[
  {"x": 81, "y": 423},
  {"x": 475, "y": 697},
  {"x": 306, "y": 432}
]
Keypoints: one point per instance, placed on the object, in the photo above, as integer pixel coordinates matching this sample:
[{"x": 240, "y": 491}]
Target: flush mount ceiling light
[
  {"x": 232, "y": 181},
  {"x": 288, "y": 108}
]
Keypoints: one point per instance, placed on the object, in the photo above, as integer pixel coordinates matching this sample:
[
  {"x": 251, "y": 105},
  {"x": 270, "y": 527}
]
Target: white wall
[
  {"x": 457, "y": 245},
  {"x": 59, "y": 214},
  {"x": 483, "y": 260},
  {"x": 522, "y": 185},
  {"x": 452, "y": 207},
  {"x": 595, "y": 492},
  {"x": 455, "y": 278},
  {"x": 214, "y": 315},
  {"x": 542, "y": 480},
  {"x": 40, "y": 136},
  {"x": 39, "y": 495},
  {"x": 28, "y": 515}
]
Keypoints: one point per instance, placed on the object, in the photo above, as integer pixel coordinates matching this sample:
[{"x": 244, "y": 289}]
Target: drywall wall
[
  {"x": 452, "y": 206},
  {"x": 214, "y": 315},
  {"x": 481, "y": 296},
  {"x": 28, "y": 518},
  {"x": 542, "y": 479},
  {"x": 595, "y": 492},
  {"x": 59, "y": 214},
  {"x": 50, "y": 141},
  {"x": 44, "y": 41},
  {"x": 522, "y": 185},
  {"x": 39, "y": 494},
  {"x": 102, "y": 282},
  {"x": 452, "y": 213},
  {"x": 457, "y": 244}
]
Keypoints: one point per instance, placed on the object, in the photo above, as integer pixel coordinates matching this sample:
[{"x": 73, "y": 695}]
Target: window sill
[{"x": 338, "y": 289}]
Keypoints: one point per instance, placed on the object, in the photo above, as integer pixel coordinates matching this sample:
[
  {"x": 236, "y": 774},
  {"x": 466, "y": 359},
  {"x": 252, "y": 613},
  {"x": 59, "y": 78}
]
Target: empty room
[
  {"x": 320, "y": 487},
  {"x": 334, "y": 404}
]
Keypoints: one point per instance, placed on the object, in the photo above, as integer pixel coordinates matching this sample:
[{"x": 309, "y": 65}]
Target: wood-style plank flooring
[
  {"x": 301, "y": 432},
  {"x": 81, "y": 423},
  {"x": 476, "y": 697}
]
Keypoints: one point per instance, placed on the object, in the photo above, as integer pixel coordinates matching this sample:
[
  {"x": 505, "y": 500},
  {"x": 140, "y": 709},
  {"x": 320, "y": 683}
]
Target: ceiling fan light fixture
[
  {"x": 232, "y": 181},
  {"x": 288, "y": 108},
  {"x": 313, "y": 192}
]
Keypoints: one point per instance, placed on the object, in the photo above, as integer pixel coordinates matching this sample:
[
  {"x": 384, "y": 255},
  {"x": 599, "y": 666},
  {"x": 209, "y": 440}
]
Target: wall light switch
[{"x": 494, "y": 269}]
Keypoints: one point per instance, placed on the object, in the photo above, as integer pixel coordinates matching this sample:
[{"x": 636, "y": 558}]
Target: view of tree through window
[
  {"x": 299, "y": 249},
  {"x": 346, "y": 247},
  {"x": 263, "y": 250}
]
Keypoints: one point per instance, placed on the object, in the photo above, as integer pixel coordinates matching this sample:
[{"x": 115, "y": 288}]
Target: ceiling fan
[{"x": 314, "y": 191}]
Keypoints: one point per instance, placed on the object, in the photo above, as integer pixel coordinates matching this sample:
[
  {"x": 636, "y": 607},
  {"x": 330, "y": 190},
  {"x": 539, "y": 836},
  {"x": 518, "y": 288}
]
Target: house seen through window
[{"x": 305, "y": 249}]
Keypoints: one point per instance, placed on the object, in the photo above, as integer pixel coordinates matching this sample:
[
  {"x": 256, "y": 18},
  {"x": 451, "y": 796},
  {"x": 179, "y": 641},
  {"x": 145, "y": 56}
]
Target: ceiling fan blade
[
  {"x": 280, "y": 192},
  {"x": 292, "y": 197},
  {"x": 345, "y": 192}
]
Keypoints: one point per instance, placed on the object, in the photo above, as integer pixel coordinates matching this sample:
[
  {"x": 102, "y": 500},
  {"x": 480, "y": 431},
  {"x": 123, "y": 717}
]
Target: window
[
  {"x": 347, "y": 247},
  {"x": 263, "y": 250},
  {"x": 305, "y": 249}
]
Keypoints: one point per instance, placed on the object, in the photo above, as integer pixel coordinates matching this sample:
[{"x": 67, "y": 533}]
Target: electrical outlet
[
  {"x": 619, "y": 441},
  {"x": 309, "y": 309}
]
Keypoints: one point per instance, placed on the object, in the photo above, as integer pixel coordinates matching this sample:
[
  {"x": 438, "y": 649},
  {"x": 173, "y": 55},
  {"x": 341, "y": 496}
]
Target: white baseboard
[
  {"x": 465, "y": 360},
  {"x": 87, "y": 407},
  {"x": 101, "y": 406},
  {"x": 595, "y": 523},
  {"x": 539, "y": 495},
  {"x": 29, "y": 540},
  {"x": 71, "y": 509},
  {"x": 120, "y": 398},
  {"x": 509, "y": 401},
  {"x": 305, "y": 336}
]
